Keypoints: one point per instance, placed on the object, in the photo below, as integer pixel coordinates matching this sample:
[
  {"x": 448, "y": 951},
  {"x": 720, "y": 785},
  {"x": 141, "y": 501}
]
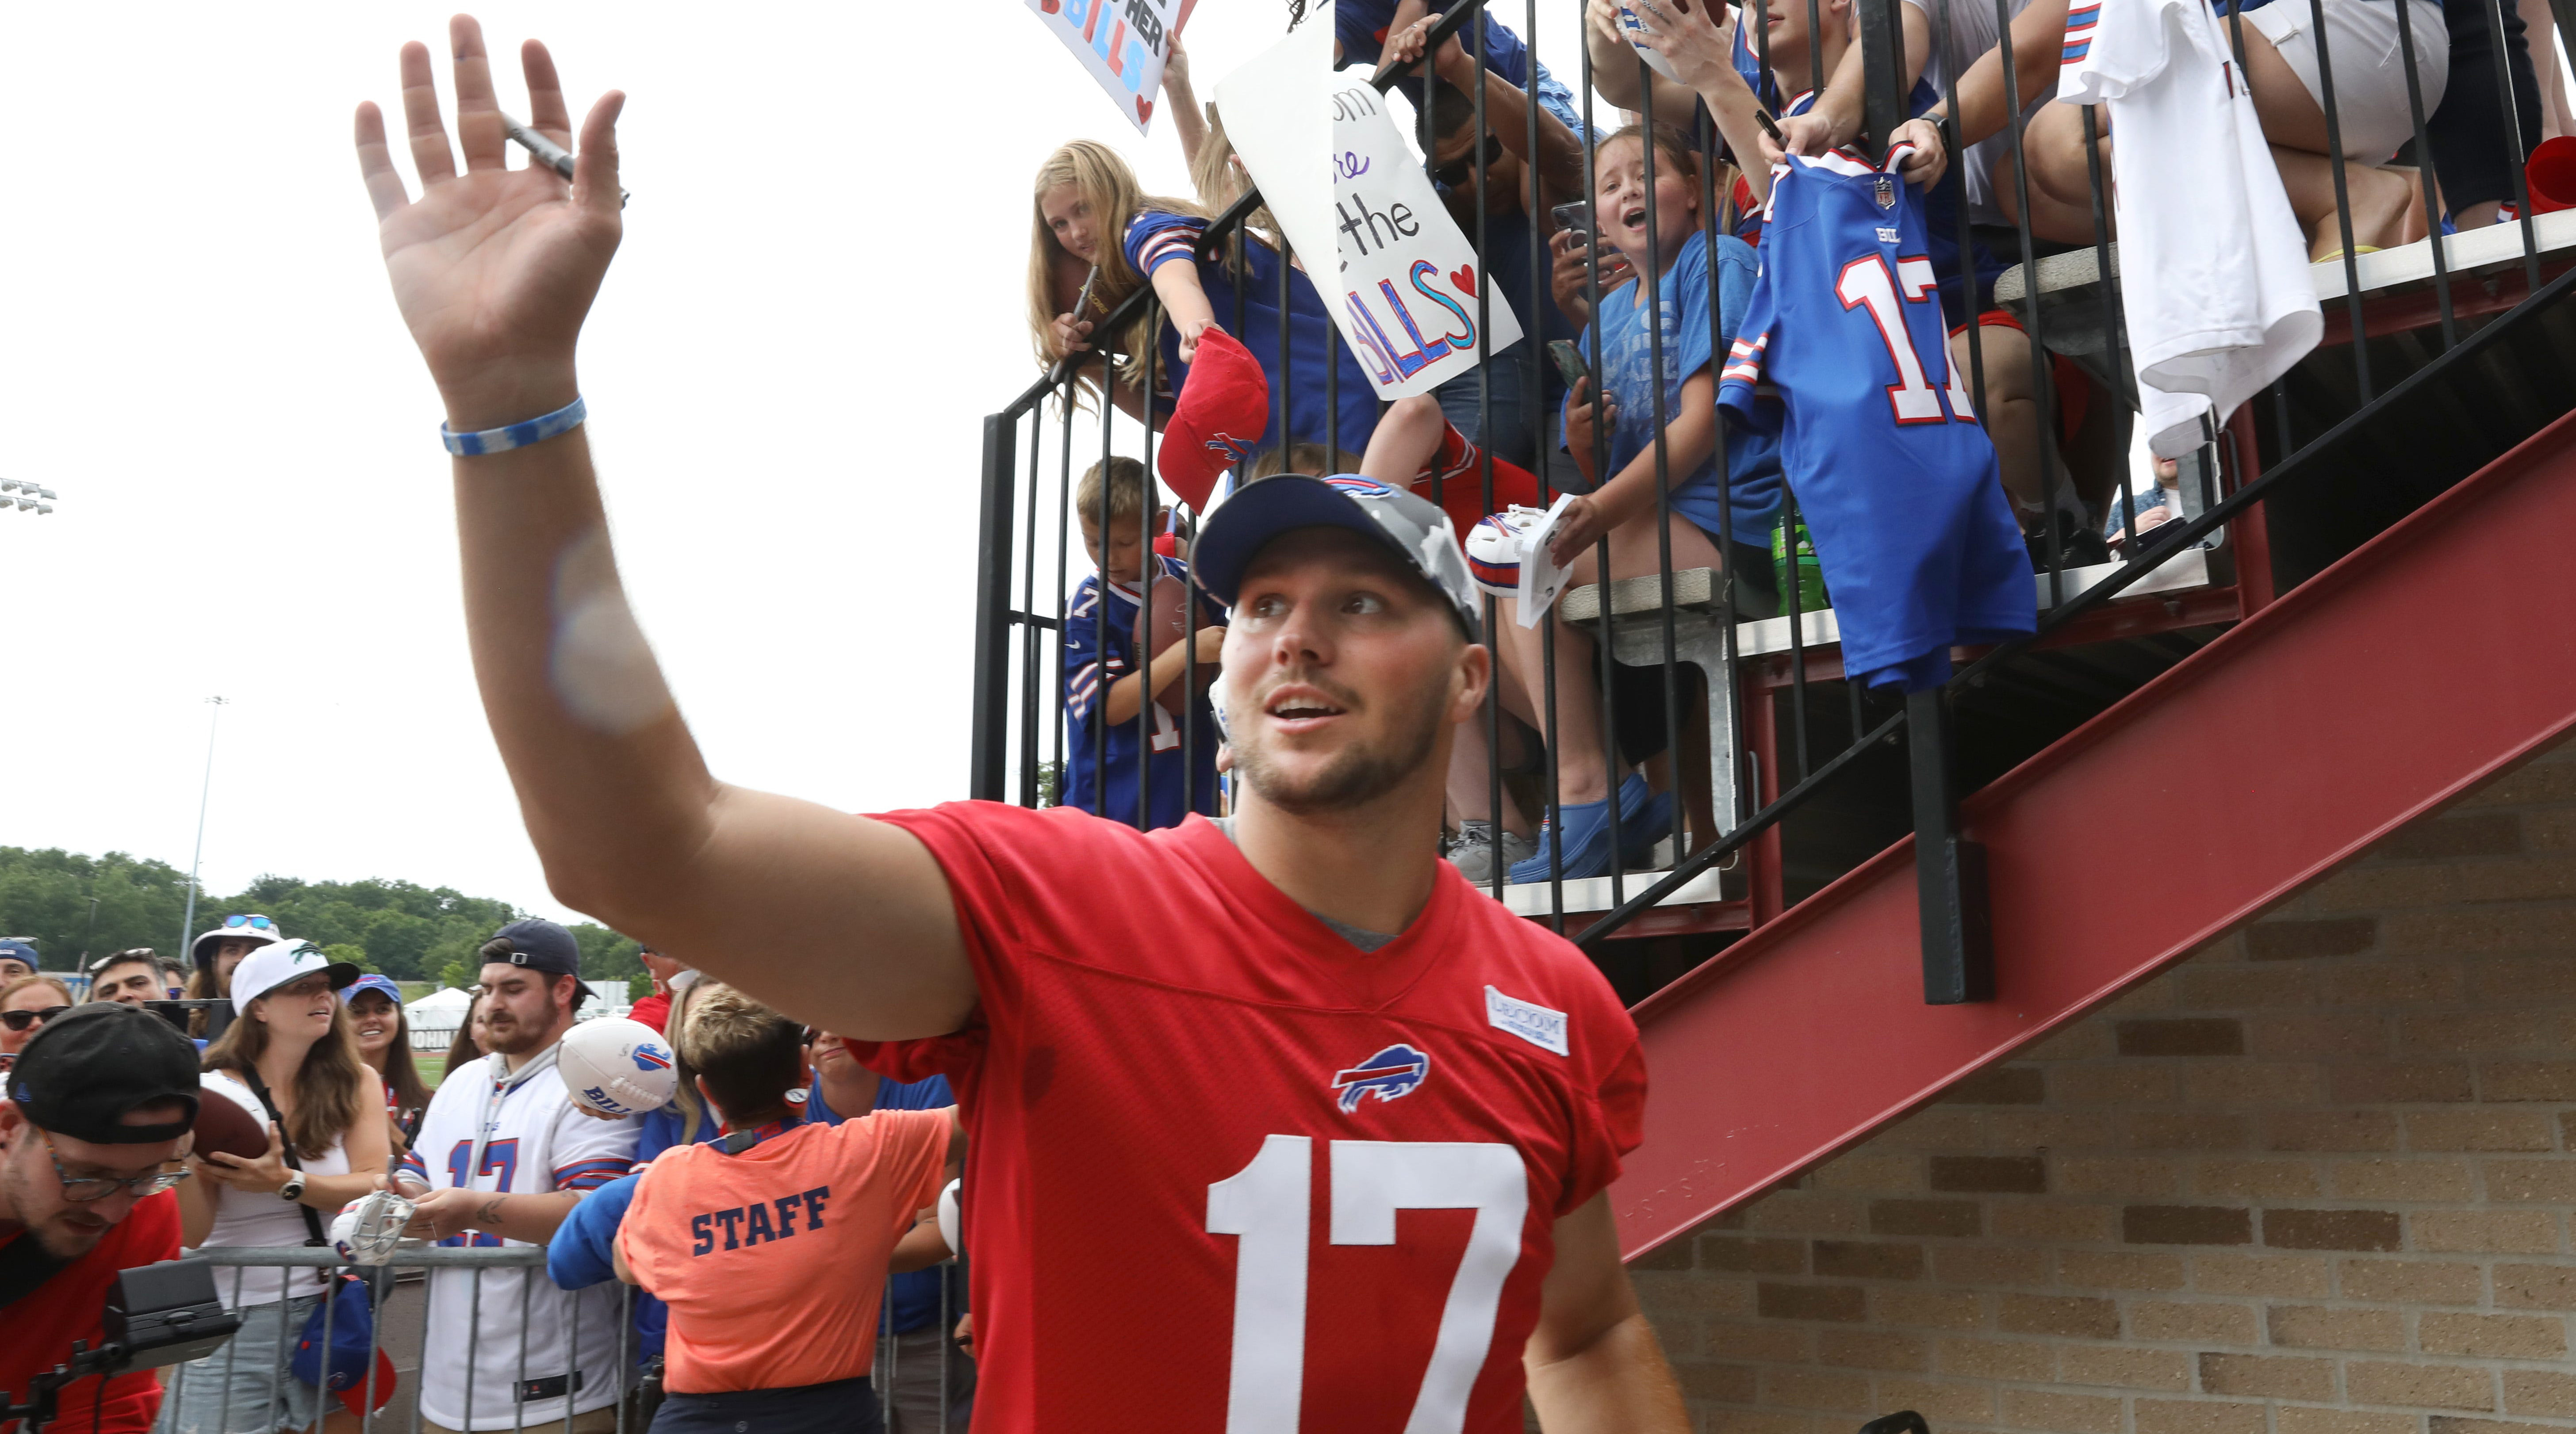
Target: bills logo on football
[
  {"x": 1395, "y": 1072},
  {"x": 650, "y": 1058}
]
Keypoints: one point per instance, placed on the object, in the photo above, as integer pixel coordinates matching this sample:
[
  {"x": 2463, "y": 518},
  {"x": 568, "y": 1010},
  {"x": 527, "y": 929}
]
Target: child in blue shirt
[
  {"x": 1103, "y": 655},
  {"x": 1737, "y": 496}
]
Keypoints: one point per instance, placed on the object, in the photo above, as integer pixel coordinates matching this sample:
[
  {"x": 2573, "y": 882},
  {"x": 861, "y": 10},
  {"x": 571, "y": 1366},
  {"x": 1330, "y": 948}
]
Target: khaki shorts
[{"x": 2369, "y": 67}]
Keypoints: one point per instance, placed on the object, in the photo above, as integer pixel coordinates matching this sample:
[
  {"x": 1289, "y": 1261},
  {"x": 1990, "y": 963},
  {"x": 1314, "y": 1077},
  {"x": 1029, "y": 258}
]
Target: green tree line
[{"x": 404, "y": 930}]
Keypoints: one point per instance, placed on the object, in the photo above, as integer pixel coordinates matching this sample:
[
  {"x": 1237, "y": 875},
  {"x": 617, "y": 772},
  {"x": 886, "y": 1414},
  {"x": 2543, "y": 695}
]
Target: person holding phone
[
  {"x": 1611, "y": 436},
  {"x": 1493, "y": 183}
]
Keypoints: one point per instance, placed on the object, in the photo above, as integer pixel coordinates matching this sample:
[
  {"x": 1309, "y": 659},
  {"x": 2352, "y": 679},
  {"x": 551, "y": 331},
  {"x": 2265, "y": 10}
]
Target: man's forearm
[
  {"x": 609, "y": 781},
  {"x": 1617, "y": 1384},
  {"x": 532, "y": 1219}
]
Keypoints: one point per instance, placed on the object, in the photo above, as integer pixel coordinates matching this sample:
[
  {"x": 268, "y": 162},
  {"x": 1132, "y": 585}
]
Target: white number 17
[
  {"x": 1268, "y": 1204},
  {"x": 1865, "y": 282}
]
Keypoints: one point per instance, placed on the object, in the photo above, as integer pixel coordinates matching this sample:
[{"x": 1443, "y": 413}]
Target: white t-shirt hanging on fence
[{"x": 2214, "y": 270}]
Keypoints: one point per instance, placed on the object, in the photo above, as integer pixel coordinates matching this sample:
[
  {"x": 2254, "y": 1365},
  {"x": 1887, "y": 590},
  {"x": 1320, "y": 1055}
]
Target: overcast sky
[{"x": 819, "y": 295}]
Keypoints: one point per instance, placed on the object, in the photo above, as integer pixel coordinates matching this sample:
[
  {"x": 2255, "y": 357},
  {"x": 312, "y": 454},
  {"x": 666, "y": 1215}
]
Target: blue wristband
[{"x": 517, "y": 435}]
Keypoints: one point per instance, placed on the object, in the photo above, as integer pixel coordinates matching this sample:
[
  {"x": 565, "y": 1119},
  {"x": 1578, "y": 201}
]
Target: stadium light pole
[{"x": 188, "y": 918}]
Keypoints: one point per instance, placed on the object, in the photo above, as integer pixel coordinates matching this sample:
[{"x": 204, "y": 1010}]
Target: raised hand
[{"x": 493, "y": 269}]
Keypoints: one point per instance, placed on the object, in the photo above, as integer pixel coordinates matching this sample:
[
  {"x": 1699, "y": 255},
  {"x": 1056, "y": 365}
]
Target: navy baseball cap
[
  {"x": 87, "y": 1067},
  {"x": 540, "y": 946},
  {"x": 18, "y": 948},
  {"x": 1414, "y": 528}
]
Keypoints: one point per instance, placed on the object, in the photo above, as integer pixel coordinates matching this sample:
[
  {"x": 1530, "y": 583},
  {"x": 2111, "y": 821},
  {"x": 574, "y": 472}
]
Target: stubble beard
[
  {"x": 1356, "y": 776},
  {"x": 54, "y": 1234}
]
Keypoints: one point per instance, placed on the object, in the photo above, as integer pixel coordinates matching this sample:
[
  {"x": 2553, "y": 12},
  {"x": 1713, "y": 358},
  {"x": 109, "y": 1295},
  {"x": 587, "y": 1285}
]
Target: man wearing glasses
[{"x": 98, "y": 1115}]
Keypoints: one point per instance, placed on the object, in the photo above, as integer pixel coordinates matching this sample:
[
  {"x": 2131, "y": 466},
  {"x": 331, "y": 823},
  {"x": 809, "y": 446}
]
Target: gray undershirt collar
[{"x": 1363, "y": 939}]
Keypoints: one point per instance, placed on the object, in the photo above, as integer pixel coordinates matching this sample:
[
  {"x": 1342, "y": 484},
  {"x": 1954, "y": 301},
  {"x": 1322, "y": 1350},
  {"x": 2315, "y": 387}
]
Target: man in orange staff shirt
[{"x": 772, "y": 1244}]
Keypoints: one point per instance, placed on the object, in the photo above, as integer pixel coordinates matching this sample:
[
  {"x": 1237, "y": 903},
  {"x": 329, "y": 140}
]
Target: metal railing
[
  {"x": 2418, "y": 342},
  {"x": 398, "y": 1293}
]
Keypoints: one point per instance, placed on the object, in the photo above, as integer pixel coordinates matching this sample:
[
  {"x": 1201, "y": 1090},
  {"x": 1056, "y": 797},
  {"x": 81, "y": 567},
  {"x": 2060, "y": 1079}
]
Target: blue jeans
[{"x": 245, "y": 1387}]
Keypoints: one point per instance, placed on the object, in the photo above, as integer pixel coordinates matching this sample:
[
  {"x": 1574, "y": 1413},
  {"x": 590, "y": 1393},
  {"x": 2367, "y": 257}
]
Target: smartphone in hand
[
  {"x": 1569, "y": 361},
  {"x": 1575, "y": 215}
]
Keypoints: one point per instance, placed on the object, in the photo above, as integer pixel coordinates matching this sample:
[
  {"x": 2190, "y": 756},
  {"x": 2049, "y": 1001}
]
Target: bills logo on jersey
[
  {"x": 650, "y": 1058},
  {"x": 1397, "y": 1071}
]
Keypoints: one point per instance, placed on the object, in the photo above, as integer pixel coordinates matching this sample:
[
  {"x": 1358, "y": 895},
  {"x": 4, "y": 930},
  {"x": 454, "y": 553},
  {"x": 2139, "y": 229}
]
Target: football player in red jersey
[{"x": 1290, "y": 1095}]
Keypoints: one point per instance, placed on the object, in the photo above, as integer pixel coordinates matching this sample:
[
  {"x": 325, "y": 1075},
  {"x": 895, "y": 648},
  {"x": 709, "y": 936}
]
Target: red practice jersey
[{"x": 1227, "y": 1173}]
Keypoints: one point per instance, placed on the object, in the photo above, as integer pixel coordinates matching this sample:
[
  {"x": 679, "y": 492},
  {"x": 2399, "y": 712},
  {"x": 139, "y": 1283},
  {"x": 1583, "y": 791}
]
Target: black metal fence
[{"x": 2452, "y": 349}]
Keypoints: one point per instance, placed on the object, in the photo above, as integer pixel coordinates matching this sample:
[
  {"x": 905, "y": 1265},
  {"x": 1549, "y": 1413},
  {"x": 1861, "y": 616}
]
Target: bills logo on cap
[
  {"x": 1397, "y": 1071},
  {"x": 650, "y": 1058},
  {"x": 1230, "y": 448},
  {"x": 1362, "y": 487}
]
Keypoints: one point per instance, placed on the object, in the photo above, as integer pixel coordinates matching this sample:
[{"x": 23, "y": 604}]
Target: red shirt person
[
  {"x": 100, "y": 1104},
  {"x": 1288, "y": 1094}
]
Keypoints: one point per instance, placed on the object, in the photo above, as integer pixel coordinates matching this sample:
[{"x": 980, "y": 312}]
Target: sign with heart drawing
[
  {"x": 1410, "y": 302},
  {"x": 1123, "y": 43}
]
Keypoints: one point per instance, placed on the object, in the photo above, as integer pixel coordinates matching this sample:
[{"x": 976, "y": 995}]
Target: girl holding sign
[{"x": 1668, "y": 243}]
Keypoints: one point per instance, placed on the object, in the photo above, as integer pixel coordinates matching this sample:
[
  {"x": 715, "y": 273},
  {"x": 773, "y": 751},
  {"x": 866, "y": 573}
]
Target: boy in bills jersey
[
  {"x": 1841, "y": 353},
  {"x": 502, "y": 1157},
  {"x": 1108, "y": 670},
  {"x": 1291, "y": 1095}
]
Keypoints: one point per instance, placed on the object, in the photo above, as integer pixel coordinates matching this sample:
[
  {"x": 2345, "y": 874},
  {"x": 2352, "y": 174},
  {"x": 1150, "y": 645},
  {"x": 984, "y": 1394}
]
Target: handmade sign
[
  {"x": 1404, "y": 277},
  {"x": 1123, "y": 43}
]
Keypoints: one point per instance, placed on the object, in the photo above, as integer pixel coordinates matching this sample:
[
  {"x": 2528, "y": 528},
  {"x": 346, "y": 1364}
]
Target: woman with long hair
[
  {"x": 290, "y": 1060},
  {"x": 1085, "y": 195},
  {"x": 384, "y": 1043},
  {"x": 214, "y": 955},
  {"x": 468, "y": 1045}
]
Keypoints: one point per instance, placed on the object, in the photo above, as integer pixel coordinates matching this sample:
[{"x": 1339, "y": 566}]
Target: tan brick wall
[{"x": 2317, "y": 1179}]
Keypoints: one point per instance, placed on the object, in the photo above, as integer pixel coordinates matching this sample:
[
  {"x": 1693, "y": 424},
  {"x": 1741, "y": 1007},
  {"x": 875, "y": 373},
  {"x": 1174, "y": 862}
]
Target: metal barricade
[
  {"x": 398, "y": 1295},
  {"x": 2473, "y": 320}
]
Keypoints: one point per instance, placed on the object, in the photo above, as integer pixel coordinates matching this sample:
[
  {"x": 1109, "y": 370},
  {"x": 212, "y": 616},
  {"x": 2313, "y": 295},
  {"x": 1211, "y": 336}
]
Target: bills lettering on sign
[
  {"x": 1331, "y": 164},
  {"x": 1123, "y": 43},
  {"x": 1408, "y": 273}
]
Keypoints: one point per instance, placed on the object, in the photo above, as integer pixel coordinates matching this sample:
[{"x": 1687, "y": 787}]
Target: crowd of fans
[
  {"x": 768, "y": 1116},
  {"x": 1762, "y": 89}
]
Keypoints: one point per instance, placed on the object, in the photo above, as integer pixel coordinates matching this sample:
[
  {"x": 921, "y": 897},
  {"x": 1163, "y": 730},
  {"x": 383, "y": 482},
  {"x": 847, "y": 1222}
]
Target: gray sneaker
[{"x": 1473, "y": 851}]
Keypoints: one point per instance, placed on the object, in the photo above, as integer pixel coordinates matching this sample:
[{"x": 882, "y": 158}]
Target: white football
[
  {"x": 617, "y": 1067},
  {"x": 949, "y": 1220},
  {"x": 1495, "y": 546}
]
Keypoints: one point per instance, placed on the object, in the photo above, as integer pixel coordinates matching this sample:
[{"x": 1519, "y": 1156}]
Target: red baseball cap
[{"x": 1224, "y": 408}]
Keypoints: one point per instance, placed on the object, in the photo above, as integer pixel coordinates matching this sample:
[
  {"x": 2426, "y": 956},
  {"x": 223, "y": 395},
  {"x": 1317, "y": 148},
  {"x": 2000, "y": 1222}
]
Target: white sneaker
[{"x": 1473, "y": 851}]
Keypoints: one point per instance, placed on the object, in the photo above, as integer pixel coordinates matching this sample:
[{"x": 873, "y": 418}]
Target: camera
[{"x": 156, "y": 1314}]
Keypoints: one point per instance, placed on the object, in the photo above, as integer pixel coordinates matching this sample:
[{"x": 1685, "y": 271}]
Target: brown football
[{"x": 225, "y": 1126}]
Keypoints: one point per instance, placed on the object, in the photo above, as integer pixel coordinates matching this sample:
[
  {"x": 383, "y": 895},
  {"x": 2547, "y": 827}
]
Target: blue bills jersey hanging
[{"x": 1843, "y": 353}]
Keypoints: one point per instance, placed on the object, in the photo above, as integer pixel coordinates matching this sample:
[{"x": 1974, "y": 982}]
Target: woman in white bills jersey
[{"x": 503, "y": 1155}]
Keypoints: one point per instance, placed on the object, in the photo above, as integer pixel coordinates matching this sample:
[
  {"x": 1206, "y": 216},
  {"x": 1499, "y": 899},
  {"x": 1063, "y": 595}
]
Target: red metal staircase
[{"x": 2434, "y": 656}]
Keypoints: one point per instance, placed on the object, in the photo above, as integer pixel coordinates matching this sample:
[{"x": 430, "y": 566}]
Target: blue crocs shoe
[
  {"x": 1644, "y": 819},
  {"x": 1587, "y": 844}
]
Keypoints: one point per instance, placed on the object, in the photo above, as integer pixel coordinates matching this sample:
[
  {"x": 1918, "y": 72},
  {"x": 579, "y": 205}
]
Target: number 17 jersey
[
  {"x": 1228, "y": 1172},
  {"x": 1842, "y": 352}
]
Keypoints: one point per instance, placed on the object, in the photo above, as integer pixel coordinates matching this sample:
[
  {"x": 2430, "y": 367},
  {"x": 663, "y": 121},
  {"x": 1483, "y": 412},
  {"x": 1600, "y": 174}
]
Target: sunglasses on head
[
  {"x": 21, "y": 1020},
  {"x": 1458, "y": 171},
  {"x": 255, "y": 923}
]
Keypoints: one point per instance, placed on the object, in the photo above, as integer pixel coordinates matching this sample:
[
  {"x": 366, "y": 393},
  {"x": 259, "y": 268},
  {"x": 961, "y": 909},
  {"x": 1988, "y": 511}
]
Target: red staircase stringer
[{"x": 2434, "y": 656}]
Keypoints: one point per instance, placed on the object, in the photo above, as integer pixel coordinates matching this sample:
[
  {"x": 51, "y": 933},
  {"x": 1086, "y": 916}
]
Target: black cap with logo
[{"x": 89, "y": 1066}]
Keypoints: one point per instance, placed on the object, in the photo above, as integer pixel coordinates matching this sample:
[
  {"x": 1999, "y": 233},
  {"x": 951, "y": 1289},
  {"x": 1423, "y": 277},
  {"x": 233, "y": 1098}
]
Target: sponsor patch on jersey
[
  {"x": 1528, "y": 1020},
  {"x": 1397, "y": 1071},
  {"x": 649, "y": 1057}
]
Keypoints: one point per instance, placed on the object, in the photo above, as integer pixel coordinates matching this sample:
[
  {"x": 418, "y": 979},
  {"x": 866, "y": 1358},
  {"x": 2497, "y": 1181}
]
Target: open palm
[{"x": 494, "y": 269}]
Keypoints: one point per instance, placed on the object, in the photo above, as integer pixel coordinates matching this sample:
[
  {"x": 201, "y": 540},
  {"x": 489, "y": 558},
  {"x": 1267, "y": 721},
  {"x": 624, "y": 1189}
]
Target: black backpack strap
[{"x": 286, "y": 1152}]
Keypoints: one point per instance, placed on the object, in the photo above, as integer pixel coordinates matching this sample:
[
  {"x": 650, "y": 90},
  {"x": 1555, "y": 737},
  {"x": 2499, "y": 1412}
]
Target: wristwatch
[{"x": 293, "y": 1189}]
